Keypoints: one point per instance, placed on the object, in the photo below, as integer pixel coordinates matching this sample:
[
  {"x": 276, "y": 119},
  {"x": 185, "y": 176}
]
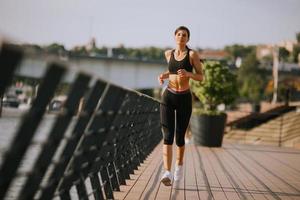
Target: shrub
[{"x": 219, "y": 86}]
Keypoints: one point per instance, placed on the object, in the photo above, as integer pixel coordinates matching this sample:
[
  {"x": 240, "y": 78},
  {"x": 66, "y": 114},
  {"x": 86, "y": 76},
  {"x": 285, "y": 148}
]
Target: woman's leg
[
  {"x": 167, "y": 117},
  {"x": 183, "y": 114},
  {"x": 179, "y": 155},
  {"x": 168, "y": 129},
  {"x": 167, "y": 157}
]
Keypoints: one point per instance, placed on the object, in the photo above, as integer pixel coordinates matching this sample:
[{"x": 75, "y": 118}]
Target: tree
[
  {"x": 101, "y": 51},
  {"x": 79, "y": 50},
  {"x": 251, "y": 79},
  {"x": 267, "y": 60},
  {"x": 120, "y": 51},
  {"x": 283, "y": 54},
  {"x": 237, "y": 50},
  {"x": 55, "y": 48},
  {"x": 296, "y": 52},
  {"x": 135, "y": 53}
]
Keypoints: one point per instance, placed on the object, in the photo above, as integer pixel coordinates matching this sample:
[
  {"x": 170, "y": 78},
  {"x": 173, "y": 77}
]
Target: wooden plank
[
  {"x": 203, "y": 185},
  {"x": 217, "y": 189},
  {"x": 276, "y": 174},
  {"x": 289, "y": 176},
  {"x": 291, "y": 161},
  {"x": 191, "y": 189},
  {"x": 178, "y": 187},
  {"x": 143, "y": 180},
  {"x": 260, "y": 187},
  {"x": 164, "y": 192},
  {"x": 213, "y": 173},
  {"x": 250, "y": 187},
  {"x": 154, "y": 181},
  {"x": 127, "y": 191},
  {"x": 223, "y": 174},
  {"x": 262, "y": 176}
]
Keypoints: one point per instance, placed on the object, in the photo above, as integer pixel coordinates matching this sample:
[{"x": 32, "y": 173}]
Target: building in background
[{"x": 211, "y": 54}]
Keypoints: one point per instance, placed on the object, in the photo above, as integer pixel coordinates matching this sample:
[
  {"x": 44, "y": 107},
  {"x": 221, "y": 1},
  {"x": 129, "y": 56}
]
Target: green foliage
[
  {"x": 267, "y": 60},
  {"x": 249, "y": 65},
  {"x": 26, "y": 80},
  {"x": 239, "y": 50},
  {"x": 252, "y": 87},
  {"x": 120, "y": 50},
  {"x": 62, "y": 89},
  {"x": 149, "y": 53},
  {"x": 251, "y": 79},
  {"x": 79, "y": 51},
  {"x": 102, "y": 51},
  {"x": 55, "y": 48},
  {"x": 283, "y": 54},
  {"x": 296, "y": 51},
  {"x": 219, "y": 86}
]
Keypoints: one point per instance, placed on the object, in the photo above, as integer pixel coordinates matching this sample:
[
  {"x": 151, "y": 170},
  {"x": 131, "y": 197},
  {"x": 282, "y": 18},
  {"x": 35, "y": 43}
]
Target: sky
[{"x": 141, "y": 23}]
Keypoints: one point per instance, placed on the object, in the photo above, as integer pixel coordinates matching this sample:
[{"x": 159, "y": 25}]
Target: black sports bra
[{"x": 175, "y": 65}]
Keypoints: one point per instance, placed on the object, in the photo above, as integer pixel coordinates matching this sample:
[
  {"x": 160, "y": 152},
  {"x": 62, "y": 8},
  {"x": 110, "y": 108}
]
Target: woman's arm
[
  {"x": 195, "y": 61},
  {"x": 198, "y": 76},
  {"x": 165, "y": 75},
  {"x": 168, "y": 55}
]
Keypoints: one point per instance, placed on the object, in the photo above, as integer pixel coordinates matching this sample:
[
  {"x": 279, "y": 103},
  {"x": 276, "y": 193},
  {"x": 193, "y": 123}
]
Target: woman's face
[{"x": 181, "y": 37}]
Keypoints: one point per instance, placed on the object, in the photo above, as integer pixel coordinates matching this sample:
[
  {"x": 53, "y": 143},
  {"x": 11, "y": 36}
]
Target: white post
[{"x": 275, "y": 73}]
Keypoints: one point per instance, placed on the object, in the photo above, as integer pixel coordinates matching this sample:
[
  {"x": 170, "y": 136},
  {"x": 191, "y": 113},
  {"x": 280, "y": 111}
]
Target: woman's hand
[
  {"x": 160, "y": 79},
  {"x": 163, "y": 76},
  {"x": 183, "y": 73}
]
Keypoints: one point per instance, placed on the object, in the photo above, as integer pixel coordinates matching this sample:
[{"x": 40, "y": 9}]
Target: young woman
[{"x": 176, "y": 103}]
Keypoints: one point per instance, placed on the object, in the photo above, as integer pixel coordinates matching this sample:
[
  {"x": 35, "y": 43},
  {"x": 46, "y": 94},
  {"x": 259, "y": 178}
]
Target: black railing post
[{"x": 1, "y": 105}]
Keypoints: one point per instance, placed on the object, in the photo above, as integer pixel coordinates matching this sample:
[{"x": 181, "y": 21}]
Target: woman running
[{"x": 176, "y": 103}]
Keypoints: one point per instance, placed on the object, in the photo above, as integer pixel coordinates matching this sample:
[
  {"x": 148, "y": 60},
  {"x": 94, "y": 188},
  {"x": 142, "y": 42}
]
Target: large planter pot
[{"x": 208, "y": 130}]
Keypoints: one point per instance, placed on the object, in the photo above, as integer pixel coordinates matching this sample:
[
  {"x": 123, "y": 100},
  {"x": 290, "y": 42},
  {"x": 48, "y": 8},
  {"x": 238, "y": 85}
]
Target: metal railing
[
  {"x": 87, "y": 153},
  {"x": 277, "y": 127}
]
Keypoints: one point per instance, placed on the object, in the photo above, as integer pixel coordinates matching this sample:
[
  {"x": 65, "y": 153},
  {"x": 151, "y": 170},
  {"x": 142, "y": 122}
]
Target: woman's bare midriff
[{"x": 177, "y": 83}]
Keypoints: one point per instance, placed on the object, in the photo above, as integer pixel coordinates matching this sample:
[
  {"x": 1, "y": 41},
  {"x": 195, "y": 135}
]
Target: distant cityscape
[
  {"x": 288, "y": 52},
  {"x": 253, "y": 62}
]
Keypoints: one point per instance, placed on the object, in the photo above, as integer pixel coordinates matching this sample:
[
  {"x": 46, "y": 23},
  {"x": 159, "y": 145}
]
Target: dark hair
[{"x": 184, "y": 29}]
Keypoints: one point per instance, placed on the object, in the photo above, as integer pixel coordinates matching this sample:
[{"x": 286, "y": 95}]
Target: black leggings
[{"x": 182, "y": 103}]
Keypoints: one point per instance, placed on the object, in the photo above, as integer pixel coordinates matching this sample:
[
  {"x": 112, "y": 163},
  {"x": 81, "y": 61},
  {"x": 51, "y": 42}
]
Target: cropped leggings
[{"x": 175, "y": 113}]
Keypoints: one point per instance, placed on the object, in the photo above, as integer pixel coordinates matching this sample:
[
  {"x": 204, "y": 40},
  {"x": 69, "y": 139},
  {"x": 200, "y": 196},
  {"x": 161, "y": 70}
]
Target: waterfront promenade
[
  {"x": 227, "y": 173},
  {"x": 231, "y": 172}
]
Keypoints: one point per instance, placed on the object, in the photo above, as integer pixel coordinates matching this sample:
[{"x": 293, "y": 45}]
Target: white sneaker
[
  {"x": 178, "y": 172},
  {"x": 166, "y": 179}
]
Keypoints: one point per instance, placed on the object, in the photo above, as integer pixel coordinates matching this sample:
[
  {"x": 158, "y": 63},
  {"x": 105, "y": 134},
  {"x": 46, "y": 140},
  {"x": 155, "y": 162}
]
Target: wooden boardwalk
[{"x": 227, "y": 173}]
